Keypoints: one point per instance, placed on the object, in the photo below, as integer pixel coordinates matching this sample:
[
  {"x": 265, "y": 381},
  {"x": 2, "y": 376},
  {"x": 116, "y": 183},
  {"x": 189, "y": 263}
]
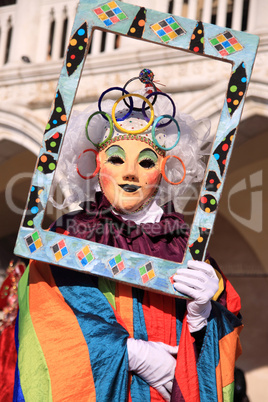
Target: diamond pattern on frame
[
  {"x": 33, "y": 241},
  {"x": 197, "y": 248},
  {"x": 34, "y": 206},
  {"x": 110, "y": 13},
  {"x": 138, "y": 25},
  {"x": 76, "y": 49},
  {"x": 226, "y": 43},
  {"x": 53, "y": 143},
  {"x": 59, "y": 250},
  {"x": 221, "y": 152},
  {"x": 116, "y": 264},
  {"x": 167, "y": 29},
  {"x": 213, "y": 182},
  {"x": 147, "y": 272},
  {"x": 197, "y": 39},
  {"x": 85, "y": 256},
  {"x": 46, "y": 164},
  {"x": 236, "y": 88},
  {"x": 208, "y": 203},
  {"x": 58, "y": 115}
]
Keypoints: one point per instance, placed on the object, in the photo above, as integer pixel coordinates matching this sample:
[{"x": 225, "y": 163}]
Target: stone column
[
  {"x": 207, "y": 11},
  {"x": 43, "y": 34},
  {"x": 221, "y": 13},
  {"x": 257, "y": 16},
  {"x": 57, "y": 39},
  {"x": 25, "y": 31}
]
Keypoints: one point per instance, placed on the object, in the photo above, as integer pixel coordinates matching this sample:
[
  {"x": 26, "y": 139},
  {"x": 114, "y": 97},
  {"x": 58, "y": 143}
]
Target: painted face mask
[{"x": 130, "y": 173}]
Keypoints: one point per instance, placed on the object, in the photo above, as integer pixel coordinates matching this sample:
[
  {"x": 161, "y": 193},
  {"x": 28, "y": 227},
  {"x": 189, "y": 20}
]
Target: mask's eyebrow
[
  {"x": 116, "y": 150},
  {"x": 148, "y": 153}
]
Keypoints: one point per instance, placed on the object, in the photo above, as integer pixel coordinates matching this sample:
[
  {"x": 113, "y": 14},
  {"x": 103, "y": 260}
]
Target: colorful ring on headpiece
[
  {"x": 172, "y": 102},
  {"x": 116, "y": 89},
  {"x": 163, "y": 169},
  {"x": 97, "y": 162},
  {"x": 141, "y": 130},
  {"x": 153, "y": 132},
  {"x": 139, "y": 109},
  {"x": 111, "y": 128}
]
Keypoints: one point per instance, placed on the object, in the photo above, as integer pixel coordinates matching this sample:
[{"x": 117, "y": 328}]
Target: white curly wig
[{"x": 192, "y": 147}]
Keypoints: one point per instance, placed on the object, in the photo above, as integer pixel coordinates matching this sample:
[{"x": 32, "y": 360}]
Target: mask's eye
[
  {"x": 115, "y": 160},
  {"x": 147, "y": 163}
]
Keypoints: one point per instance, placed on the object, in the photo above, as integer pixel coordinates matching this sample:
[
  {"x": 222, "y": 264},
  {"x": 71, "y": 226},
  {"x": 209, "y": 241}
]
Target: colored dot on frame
[
  {"x": 43, "y": 158},
  {"x": 207, "y": 210},
  {"x": 34, "y": 210},
  {"x": 200, "y": 239},
  {"x": 51, "y": 166},
  {"x": 141, "y": 23},
  {"x": 73, "y": 42},
  {"x": 81, "y": 32},
  {"x": 58, "y": 109},
  {"x": 233, "y": 88}
]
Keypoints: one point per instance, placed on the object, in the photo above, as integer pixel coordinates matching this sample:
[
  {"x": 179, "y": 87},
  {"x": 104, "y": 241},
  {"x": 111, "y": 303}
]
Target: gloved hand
[
  {"x": 200, "y": 282},
  {"x": 154, "y": 362}
]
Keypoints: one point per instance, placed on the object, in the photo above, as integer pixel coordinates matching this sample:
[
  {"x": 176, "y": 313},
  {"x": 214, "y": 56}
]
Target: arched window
[
  {"x": 51, "y": 35},
  {"x": 63, "y": 38},
  {"x": 8, "y": 42}
]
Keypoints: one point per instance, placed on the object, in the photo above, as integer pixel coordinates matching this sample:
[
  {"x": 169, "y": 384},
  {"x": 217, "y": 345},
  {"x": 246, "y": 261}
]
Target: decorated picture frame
[{"x": 207, "y": 40}]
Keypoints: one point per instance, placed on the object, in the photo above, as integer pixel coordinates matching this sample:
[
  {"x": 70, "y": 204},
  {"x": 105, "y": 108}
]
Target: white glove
[
  {"x": 200, "y": 282},
  {"x": 154, "y": 362}
]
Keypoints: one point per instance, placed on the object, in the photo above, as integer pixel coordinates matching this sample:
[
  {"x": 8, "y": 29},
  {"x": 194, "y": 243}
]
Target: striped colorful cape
[{"x": 71, "y": 336}]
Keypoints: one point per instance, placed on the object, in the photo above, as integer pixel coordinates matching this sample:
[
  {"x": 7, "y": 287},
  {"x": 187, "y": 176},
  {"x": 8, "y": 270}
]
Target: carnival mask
[{"x": 130, "y": 173}]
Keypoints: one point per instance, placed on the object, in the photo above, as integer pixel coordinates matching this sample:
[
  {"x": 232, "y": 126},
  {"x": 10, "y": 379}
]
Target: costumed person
[
  {"x": 84, "y": 337},
  {"x": 9, "y": 309}
]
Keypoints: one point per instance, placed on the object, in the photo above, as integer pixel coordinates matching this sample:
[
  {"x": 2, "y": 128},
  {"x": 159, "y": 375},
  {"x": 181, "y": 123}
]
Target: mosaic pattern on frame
[
  {"x": 167, "y": 29},
  {"x": 110, "y": 13},
  {"x": 226, "y": 43},
  {"x": 33, "y": 242}
]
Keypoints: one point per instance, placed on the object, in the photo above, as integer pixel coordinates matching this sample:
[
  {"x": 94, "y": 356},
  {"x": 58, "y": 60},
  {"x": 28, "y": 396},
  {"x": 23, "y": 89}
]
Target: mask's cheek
[
  {"x": 108, "y": 181},
  {"x": 152, "y": 178}
]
